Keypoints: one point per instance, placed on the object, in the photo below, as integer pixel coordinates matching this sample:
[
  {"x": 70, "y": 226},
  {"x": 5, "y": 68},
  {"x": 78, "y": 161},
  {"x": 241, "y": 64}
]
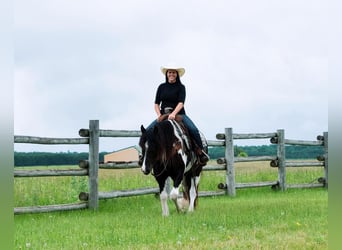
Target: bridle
[{"x": 161, "y": 172}]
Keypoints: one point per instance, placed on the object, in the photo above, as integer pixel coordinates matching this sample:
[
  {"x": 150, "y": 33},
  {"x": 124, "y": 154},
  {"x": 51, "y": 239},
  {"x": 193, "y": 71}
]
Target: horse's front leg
[
  {"x": 193, "y": 192},
  {"x": 163, "y": 198},
  {"x": 174, "y": 194}
]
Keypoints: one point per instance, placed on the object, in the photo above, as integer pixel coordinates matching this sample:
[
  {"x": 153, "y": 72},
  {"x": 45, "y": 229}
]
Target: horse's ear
[{"x": 143, "y": 130}]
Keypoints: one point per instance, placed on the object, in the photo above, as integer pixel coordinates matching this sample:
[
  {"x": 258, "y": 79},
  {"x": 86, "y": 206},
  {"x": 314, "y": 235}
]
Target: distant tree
[
  {"x": 242, "y": 154},
  {"x": 238, "y": 151}
]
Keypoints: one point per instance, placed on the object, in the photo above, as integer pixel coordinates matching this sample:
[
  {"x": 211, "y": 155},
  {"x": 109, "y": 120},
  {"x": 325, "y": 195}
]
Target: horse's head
[
  {"x": 149, "y": 150},
  {"x": 156, "y": 145},
  {"x": 143, "y": 145}
]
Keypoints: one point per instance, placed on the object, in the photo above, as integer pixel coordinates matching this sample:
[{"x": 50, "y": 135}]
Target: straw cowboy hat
[{"x": 180, "y": 71}]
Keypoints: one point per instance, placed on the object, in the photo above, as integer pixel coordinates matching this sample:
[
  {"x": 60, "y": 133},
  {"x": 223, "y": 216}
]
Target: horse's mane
[
  {"x": 165, "y": 133},
  {"x": 161, "y": 140}
]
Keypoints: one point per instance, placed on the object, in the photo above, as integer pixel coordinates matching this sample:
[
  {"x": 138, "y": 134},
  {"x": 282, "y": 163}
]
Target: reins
[{"x": 161, "y": 172}]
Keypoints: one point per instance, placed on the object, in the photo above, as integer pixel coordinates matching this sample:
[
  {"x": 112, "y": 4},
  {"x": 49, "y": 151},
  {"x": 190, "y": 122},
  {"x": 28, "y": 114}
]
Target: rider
[{"x": 170, "y": 98}]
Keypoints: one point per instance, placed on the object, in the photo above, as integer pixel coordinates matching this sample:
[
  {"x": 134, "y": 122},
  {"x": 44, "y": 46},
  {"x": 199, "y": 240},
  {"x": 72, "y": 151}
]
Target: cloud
[{"x": 251, "y": 65}]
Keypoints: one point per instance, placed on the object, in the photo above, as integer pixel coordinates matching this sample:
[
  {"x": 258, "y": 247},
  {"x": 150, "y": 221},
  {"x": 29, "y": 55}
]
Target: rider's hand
[{"x": 172, "y": 116}]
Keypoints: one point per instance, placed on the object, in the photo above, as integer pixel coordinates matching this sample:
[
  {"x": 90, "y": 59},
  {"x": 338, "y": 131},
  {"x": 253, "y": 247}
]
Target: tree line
[
  {"x": 73, "y": 158},
  {"x": 291, "y": 151},
  {"x": 48, "y": 158}
]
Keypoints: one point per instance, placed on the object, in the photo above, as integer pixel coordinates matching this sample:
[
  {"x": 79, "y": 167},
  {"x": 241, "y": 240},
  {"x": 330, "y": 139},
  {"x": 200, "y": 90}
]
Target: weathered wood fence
[
  {"x": 278, "y": 161},
  {"x": 91, "y": 166}
]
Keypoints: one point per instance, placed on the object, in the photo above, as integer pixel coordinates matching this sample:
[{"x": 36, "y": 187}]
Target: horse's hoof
[{"x": 182, "y": 204}]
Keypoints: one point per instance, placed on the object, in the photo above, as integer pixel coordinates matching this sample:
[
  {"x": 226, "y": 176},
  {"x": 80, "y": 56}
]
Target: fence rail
[
  {"x": 91, "y": 166},
  {"x": 50, "y": 172},
  {"x": 46, "y": 140},
  {"x": 303, "y": 143},
  {"x": 50, "y": 208},
  {"x": 248, "y": 136}
]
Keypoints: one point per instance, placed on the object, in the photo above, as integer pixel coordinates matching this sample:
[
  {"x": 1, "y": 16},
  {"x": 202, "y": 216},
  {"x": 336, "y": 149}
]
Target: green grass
[{"x": 256, "y": 218}]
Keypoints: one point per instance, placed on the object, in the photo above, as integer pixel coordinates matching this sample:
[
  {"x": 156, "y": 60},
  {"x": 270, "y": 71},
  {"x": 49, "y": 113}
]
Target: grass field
[{"x": 257, "y": 218}]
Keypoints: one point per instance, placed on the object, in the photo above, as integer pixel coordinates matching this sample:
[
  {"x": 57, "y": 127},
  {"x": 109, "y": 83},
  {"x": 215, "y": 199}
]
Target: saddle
[{"x": 163, "y": 117}]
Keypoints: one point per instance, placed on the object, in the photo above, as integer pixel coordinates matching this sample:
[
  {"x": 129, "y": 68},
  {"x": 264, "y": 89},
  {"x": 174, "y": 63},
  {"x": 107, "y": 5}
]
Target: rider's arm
[
  {"x": 179, "y": 106},
  {"x": 157, "y": 109}
]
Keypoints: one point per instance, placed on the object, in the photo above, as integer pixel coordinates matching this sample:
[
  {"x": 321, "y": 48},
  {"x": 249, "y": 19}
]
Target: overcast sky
[{"x": 254, "y": 66}]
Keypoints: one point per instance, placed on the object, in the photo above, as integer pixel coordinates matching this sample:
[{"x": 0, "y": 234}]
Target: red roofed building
[{"x": 123, "y": 155}]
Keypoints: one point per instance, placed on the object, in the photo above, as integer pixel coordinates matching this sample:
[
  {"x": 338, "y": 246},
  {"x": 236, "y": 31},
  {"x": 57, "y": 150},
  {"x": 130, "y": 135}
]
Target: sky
[{"x": 254, "y": 66}]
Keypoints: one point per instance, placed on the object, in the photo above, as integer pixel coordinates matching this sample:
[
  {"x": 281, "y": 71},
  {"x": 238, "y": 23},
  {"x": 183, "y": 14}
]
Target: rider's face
[{"x": 171, "y": 75}]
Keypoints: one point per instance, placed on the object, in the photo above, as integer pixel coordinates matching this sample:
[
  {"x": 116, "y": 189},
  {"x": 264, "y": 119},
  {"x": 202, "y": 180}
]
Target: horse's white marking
[
  {"x": 187, "y": 168},
  {"x": 174, "y": 193},
  {"x": 181, "y": 150},
  {"x": 193, "y": 192},
  {"x": 184, "y": 158},
  {"x": 197, "y": 180},
  {"x": 184, "y": 137},
  {"x": 163, "y": 201},
  {"x": 143, "y": 166},
  {"x": 182, "y": 204}
]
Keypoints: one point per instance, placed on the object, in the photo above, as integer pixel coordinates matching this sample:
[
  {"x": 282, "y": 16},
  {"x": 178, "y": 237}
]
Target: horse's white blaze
[
  {"x": 193, "y": 193},
  {"x": 163, "y": 201},
  {"x": 143, "y": 166}
]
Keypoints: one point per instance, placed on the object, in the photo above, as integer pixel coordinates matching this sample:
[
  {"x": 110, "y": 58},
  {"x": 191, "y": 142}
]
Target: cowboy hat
[{"x": 180, "y": 71}]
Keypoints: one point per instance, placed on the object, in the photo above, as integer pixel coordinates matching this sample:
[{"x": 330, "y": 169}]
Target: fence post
[
  {"x": 325, "y": 134},
  {"x": 281, "y": 159},
  {"x": 94, "y": 133},
  {"x": 229, "y": 154}
]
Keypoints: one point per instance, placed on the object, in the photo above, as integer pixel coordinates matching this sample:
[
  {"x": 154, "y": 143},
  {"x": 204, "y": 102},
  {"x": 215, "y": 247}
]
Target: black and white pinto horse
[{"x": 167, "y": 151}]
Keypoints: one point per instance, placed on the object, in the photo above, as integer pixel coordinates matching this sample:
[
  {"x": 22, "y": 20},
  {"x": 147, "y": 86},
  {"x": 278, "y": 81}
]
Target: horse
[{"x": 167, "y": 151}]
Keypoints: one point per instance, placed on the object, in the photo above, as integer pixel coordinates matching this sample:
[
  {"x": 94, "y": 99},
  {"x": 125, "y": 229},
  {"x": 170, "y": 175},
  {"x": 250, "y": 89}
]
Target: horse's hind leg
[{"x": 193, "y": 192}]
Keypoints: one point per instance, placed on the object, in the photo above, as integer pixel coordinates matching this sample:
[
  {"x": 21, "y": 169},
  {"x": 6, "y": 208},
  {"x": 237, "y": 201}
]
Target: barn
[{"x": 123, "y": 155}]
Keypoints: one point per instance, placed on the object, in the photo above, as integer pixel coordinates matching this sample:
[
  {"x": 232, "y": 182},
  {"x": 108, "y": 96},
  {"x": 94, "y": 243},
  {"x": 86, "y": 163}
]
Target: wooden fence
[
  {"x": 278, "y": 161},
  {"x": 91, "y": 166}
]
